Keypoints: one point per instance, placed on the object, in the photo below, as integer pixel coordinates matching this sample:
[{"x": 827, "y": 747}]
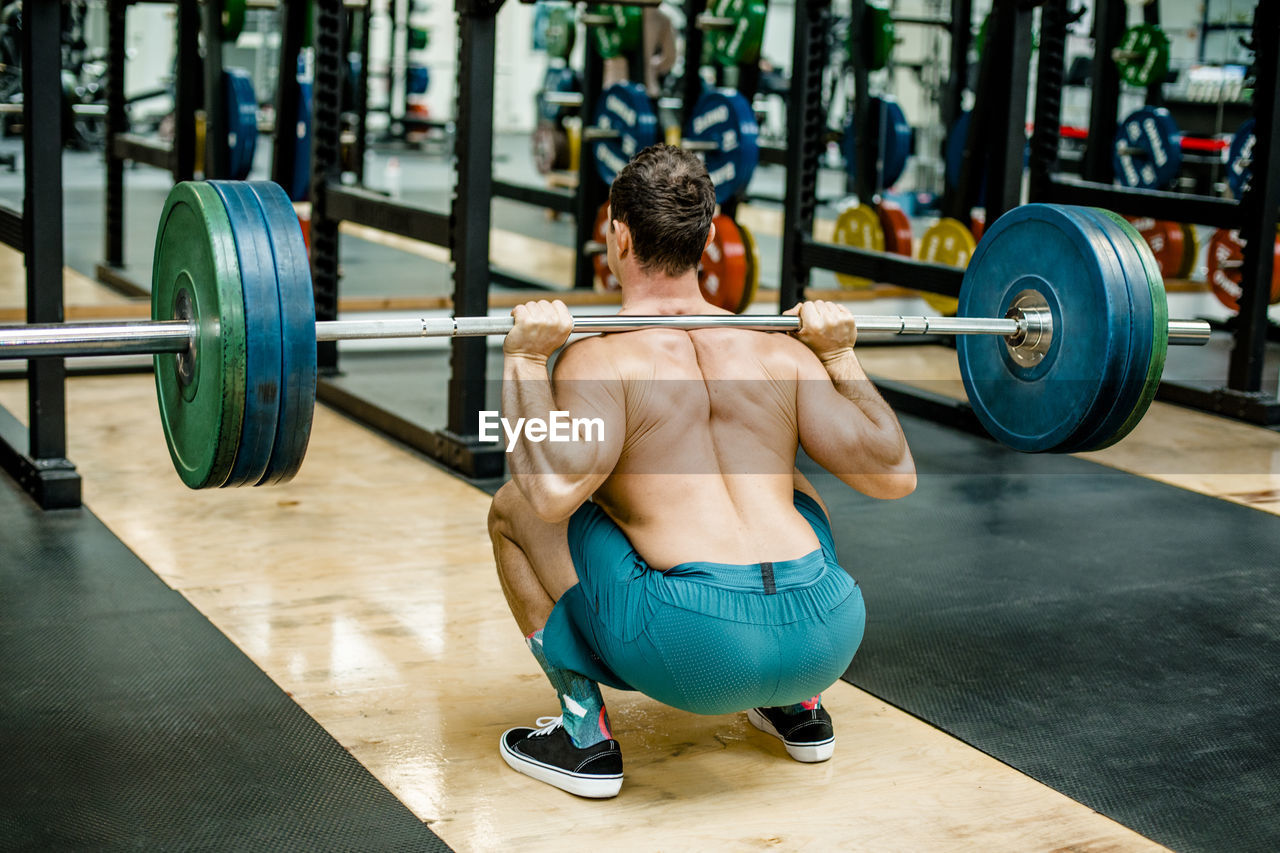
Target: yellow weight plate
[
  {"x": 858, "y": 226},
  {"x": 948, "y": 241}
]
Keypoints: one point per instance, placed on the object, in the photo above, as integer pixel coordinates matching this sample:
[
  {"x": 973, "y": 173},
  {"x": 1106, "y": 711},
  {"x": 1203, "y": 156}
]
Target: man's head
[{"x": 666, "y": 200}]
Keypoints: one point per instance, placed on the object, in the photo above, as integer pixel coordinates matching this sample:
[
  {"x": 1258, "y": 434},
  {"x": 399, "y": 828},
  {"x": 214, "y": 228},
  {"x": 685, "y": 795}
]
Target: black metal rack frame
[
  {"x": 464, "y": 231},
  {"x": 198, "y": 85},
  {"x": 35, "y": 456},
  {"x": 1254, "y": 215},
  {"x": 1008, "y": 72}
]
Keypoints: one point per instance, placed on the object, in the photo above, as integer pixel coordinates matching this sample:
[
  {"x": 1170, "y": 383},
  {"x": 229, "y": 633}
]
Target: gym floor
[{"x": 365, "y": 590}]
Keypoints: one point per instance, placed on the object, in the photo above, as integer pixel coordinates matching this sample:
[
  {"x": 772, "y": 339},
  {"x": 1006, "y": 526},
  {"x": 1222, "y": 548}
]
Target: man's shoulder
[{"x": 590, "y": 355}]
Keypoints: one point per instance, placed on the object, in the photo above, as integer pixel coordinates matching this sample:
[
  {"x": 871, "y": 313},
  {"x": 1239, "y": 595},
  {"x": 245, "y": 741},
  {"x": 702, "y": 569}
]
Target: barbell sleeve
[{"x": 174, "y": 336}]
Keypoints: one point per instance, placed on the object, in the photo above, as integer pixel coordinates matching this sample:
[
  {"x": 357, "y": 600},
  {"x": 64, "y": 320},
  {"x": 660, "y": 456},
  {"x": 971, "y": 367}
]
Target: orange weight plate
[
  {"x": 722, "y": 275},
  {"x": 606, "y": 281},
  {"x": 1167, "y": 242},
  {"x": 897, "y": 228}
]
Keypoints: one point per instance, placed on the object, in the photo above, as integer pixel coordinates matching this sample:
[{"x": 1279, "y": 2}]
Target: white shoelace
[{"x": 547, "y": 725}]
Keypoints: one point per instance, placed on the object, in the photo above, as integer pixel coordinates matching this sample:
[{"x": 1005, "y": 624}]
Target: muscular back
[{"x": 706, "y": 465}]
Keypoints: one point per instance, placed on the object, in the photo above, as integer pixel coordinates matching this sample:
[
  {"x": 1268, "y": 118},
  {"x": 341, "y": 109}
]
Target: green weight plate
[
  {"x": 1159, "y": 337},
  {"x": 622, "y": 35},
  {"x": 297, "y": 332},
  {"x": 262, "y": 331},
  {"x": 1143, "y": 55},
  {"x": 196, "y": 275},
  {"x": 739, "y": 44},
  {"x": 561, "y": 32},
  {"x": 877, "y": 37},
  {"x": 232, "y": 19},
  {"x": 419, "y": 38}
]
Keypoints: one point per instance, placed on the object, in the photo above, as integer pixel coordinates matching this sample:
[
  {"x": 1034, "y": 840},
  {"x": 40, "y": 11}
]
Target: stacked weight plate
[
  {"x": 1103, "y": 290},
  {"x": 237, "y": 407},
  {"x": 242, "y": 121}
]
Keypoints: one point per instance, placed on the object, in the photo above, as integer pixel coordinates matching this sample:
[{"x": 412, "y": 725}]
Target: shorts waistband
[{"x": 766, "y": 578}]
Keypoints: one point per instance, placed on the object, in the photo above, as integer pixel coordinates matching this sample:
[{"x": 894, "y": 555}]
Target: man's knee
[{"x": 502, "y": 512}]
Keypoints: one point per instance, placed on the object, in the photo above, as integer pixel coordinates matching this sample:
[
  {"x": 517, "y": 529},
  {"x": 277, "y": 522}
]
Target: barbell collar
[
  {"x": 715, "y": 22},
  {"x": 591, "y": 134},
  {"x": 563, "y": 99},
  {"x": 592, "y": 20}
]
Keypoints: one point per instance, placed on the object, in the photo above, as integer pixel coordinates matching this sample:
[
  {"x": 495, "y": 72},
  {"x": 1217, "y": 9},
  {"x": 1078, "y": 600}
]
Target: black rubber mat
[
  {"x": 1113, "y": 637},
  {"x": 128, "y": 722}
]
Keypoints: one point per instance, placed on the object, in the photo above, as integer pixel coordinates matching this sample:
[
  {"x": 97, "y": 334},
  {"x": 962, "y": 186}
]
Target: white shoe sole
[
  {"x": 809, "y": 753},
  {"x": 584, "y": 785}
]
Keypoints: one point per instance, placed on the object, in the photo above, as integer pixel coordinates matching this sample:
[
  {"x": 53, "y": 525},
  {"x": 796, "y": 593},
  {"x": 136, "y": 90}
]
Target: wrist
[
  {"x": 535, "y": 358},
  {"x": 833, "y": 355}
]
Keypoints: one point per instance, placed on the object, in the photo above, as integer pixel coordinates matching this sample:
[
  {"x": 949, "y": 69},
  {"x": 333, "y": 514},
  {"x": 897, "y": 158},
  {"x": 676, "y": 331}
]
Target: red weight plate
[
  {"x": 722, "y": 275},
  {"x": 1167, "y": 241},
  {"x": 606, "y": 281},
  {"x": 897, "y": 228},
  {"x": 977, "y": 224},
  {"x": 1226, "y": 255}
]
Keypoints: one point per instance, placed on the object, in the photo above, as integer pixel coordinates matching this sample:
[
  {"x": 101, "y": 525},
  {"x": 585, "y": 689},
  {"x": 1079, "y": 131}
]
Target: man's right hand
[{"x": 827, "y": 328}]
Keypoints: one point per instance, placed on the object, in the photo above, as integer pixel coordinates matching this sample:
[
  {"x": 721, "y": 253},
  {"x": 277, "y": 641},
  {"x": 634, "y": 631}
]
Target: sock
[
  {"x": 807, "y": 705},
  {"x": 585, "y": 717}
]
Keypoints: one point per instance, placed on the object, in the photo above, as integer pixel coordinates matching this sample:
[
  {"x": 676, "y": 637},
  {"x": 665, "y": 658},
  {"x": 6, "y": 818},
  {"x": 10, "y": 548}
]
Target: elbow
[
  {"x": 899, "y": 485},
  {"x": 898, "y": 478},
  {"x": 553, "y": 502}
]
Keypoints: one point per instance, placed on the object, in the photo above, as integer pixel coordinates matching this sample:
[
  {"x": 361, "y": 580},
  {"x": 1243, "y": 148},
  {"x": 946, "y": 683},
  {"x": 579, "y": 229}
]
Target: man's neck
[{"x": 660, "y": 294}]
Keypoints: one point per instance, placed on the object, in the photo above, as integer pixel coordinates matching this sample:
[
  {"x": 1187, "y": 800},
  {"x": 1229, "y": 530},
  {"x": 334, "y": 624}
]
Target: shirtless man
[{"x": 681, "y": 553}]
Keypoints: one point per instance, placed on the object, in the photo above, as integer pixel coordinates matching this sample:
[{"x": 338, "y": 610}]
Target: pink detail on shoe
[
  {"x": 813, "y": 704},
  {"x": 604, "y": 724}
]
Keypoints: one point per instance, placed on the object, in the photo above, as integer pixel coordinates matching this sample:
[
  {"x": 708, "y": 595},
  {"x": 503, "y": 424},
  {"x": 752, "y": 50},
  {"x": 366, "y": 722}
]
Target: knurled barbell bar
[{"x": 1063, "y": 331}]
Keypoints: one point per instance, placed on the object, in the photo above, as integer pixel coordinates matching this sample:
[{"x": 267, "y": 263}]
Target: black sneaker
[
  {"x": 808, "y": 735},
  {"x": 548, "y": 755}
]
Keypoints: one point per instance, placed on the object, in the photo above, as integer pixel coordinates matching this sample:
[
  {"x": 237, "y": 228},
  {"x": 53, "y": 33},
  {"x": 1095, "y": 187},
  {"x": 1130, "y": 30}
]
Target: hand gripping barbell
[{"x": 1063, "y": 331}]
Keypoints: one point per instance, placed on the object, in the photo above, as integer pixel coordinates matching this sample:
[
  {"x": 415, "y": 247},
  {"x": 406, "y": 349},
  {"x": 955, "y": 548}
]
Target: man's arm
[
  {"x": 845, "y": 425},
  {"x": 584, "y": 407}
]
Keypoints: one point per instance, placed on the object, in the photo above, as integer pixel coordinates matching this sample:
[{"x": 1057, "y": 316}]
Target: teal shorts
[{"x": 711, "y": 638}]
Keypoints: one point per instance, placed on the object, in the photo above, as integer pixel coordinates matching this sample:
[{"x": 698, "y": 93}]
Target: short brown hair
[{"x": 666, "y": 198}]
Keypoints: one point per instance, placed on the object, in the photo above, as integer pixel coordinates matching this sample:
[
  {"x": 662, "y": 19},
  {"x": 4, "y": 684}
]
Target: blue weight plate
[
  {"x": 300, "y": 186},
  {"x": 1134, "y": 319},
  {"x": 890, "y": 127},
  {"x": 1240, "y": 158},
  {"x": 724, "y": 116},
  {"x": 242, "y": 122},
  {"x": 562, "y": 80},
  {"x": 954, "y": 153},
  {"x": 417, "y": 79},
  {"x": 626, "y": 108},
  {"x": 297, "y": 332},
  {"x": 1069, "y": 262},
  {"x": 262, "y": 332},
  {"x": 1147, "y": 152},
  {"x": 1142, "y": 332}
]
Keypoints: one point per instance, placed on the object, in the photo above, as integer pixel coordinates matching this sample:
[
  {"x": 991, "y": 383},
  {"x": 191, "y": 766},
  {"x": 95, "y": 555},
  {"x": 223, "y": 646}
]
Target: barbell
[{"x": 1062, "y": 331}]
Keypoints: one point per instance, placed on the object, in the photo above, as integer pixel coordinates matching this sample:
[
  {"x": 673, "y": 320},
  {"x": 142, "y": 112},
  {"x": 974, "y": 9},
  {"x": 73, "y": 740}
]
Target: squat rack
[
  {"x": 197, "y": 85},
  {"x": 1254, "y": 215},
  {"x": 35, "y": 456}
]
